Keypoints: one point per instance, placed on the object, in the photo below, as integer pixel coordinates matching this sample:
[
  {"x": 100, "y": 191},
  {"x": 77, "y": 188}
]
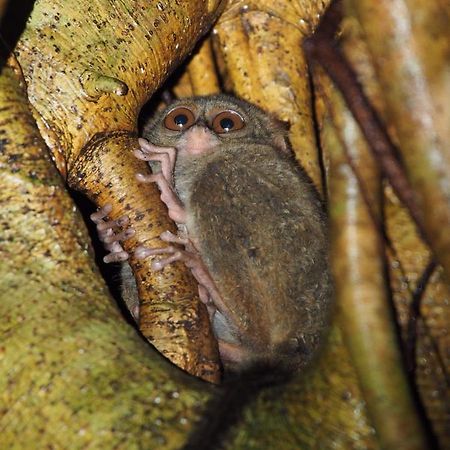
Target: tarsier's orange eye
[
  {"x": 179, "y": 119},
  {"x": 227, "y": 121}
]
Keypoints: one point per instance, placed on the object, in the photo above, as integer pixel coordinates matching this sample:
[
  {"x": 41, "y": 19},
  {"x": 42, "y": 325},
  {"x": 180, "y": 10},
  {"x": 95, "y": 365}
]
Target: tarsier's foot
[
  {"x": 108, "y": 236},
  {"x": 230, "y": 349}
]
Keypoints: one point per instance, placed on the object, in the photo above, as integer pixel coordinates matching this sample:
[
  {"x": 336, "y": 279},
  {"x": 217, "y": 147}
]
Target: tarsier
[{"x": 251, "y": 225}]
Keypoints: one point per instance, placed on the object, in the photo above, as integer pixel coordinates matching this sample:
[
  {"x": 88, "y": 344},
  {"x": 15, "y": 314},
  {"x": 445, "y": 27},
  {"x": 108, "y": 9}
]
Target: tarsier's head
[{"x": 198, "y": 125}]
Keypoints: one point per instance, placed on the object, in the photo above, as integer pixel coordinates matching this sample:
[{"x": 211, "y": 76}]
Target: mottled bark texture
[
  {"x": 361, "y": 287},
  {"x": 74, "y": 374},
  {"x": 87, "y": 97}
]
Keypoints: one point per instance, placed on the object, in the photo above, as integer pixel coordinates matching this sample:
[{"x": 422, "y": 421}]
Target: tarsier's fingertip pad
[
  {"x": 142, "y": 142},
  {"x": 101, "y": 213},
  {"x": 156, "y": 266},
  {"x": 166, "y": 235},
  {"x": 141, "y": 252},
  {"x": 140, "y": 154}
]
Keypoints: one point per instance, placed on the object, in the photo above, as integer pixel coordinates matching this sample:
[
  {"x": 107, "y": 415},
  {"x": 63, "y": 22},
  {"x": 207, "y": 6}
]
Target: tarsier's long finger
[
  {"x": 159, "y": 265},
  {"x": 175, "y": 255},
  {"x": 201, "y": 274},
  {"x": 142, "y": 252},
  {"x": 148, "y": 147},
  {"x": 146, "y": 178},
  {"x": 116, "y": 257},
  {"x": 168, "y": 236},
  {"x": 120, "y": 222},
  {"x": 166, "y": 168},
  {"x": 167, "y": 161},
  {"x": 114, "y": 247},
  {"x": 119, "y": 236},
  {"x": 103, "y": 212},
  {"x": 204, "y": 296}
]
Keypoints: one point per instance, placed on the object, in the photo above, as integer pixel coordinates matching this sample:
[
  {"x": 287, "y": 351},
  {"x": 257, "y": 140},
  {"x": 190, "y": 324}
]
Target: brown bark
[
  {"x": 409, "y": 43},
  {"x": 322, "y": 408},
  {"x": 358, "y": 267},
  {"x": 85, "y": 95}
]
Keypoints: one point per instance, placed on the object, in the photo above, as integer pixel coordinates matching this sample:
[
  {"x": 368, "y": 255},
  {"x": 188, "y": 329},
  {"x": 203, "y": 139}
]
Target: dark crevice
[
  {"x": 109, "y": 272},
  {"x": 12, "y": 25},
  {"x": 238, "y": 391},
  {"x": 316, "y": 127}
]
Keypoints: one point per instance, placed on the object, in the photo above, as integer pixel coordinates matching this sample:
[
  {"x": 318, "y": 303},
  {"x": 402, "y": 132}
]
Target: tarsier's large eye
[
  {"x": 180, "y": 118},
  {"x": 227, "y": 121}
]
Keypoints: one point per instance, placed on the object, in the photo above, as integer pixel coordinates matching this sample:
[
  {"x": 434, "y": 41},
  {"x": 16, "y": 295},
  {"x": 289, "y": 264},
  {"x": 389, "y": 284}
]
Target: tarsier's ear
[
  {"x": 281, "y": 142},
  {"x": 280, "y": 131}
]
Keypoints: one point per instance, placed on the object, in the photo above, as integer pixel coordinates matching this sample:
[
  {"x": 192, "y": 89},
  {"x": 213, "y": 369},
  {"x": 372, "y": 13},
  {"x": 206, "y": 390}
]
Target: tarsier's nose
[{"x": 198, "y": 139}]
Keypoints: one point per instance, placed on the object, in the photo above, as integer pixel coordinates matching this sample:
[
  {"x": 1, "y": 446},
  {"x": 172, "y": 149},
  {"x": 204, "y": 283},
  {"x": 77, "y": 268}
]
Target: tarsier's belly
[{"x": 261, "y": 234}]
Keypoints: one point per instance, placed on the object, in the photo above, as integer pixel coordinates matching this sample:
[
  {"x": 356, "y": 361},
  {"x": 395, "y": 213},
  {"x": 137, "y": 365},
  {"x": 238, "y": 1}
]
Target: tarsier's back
[{"x": 263, "y": 239}]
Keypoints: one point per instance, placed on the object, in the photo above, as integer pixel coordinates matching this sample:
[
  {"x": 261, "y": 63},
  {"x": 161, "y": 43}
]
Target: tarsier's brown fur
[
  {"x": 257, "y": 237},
  {"x": 260, "y": 229}
]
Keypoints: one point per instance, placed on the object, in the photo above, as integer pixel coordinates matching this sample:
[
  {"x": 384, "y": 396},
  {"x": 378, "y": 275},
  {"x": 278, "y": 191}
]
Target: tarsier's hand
[
  {"x": 109, "y": 236},
  {"x": 164, "y": 179},
  {"x": 166, "y": 156}
]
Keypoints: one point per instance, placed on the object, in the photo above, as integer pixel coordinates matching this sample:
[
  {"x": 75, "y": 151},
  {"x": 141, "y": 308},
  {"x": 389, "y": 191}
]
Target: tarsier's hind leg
[{"x": 232, "y": 351}]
